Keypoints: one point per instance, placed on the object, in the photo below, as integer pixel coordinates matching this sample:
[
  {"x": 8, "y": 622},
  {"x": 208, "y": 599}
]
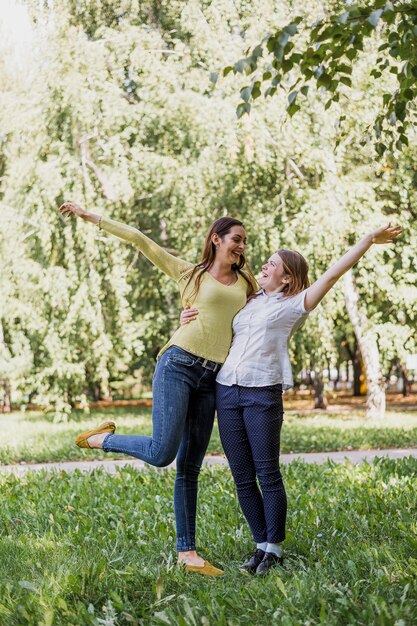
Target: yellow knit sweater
[{"x": 210, "y": 335}]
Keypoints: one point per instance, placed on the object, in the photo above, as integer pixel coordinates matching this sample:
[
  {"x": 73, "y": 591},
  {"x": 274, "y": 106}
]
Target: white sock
[
  {"x": 275, "y": 548},
  {"x": 262, "y": 546}
]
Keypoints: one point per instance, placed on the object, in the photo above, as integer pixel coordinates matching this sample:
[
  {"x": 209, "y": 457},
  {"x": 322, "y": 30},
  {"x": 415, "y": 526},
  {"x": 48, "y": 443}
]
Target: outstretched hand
[
  {"x": 70, "y": 208},
  {"x": 386, "y": 234}
]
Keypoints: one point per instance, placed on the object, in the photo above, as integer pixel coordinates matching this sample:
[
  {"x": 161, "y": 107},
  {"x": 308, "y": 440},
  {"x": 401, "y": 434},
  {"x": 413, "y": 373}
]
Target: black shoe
[
  {"x": 270, "y": 560},
  {"x": 253, "y": 562}
]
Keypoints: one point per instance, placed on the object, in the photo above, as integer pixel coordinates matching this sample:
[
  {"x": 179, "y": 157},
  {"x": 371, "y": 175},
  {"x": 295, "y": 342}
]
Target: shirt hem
[
  {"x": 285, "y": 385},
  {"x": 192, "y": 350}
]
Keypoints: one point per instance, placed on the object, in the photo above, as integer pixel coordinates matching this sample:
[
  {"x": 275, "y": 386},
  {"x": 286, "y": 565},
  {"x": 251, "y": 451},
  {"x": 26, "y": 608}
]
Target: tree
[
  {"x": 324, "y": 54},
  {"x": 119, "y": 109}
]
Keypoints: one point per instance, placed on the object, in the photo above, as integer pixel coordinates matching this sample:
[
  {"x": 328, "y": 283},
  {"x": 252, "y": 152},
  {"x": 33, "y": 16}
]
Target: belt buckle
[{"x": 209, "y": 365}]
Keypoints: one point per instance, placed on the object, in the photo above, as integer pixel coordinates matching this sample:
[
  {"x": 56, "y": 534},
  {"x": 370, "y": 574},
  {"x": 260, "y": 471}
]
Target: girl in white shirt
[{"x": 249, "y": 387}]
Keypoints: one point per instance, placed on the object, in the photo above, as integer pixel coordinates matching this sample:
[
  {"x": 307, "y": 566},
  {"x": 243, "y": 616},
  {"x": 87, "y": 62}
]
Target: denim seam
[{"x": 187, "y": 523}]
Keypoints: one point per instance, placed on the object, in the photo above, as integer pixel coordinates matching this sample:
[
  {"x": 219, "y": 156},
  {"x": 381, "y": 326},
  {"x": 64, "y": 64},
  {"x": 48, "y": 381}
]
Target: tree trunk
[
  {"x": 357, "y": 365},
  {"x": 320, "y": 401},
  {"x": 375, "y": 401},
  {"x": 6, "y": 402},
  {"x": 359, "y": 389},
  {"x": 404, "y": 378}
]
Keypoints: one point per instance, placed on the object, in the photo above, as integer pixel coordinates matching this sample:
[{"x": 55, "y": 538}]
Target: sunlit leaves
[{"x": 330, "y": 48}]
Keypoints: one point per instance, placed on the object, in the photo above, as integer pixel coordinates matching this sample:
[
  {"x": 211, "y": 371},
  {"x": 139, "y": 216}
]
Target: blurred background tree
[{"x": 121, "y": 107}]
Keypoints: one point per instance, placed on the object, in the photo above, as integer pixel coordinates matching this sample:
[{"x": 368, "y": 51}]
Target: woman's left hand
[
  {"x": 188, "y": 315},
  {"x": 385, "y": 234}
]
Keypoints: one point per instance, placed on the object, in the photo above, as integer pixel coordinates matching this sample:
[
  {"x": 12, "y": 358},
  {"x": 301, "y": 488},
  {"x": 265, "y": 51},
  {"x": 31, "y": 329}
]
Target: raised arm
[
  {"x": 166, "y": 262},
  {"x": 318, "y": 290}
]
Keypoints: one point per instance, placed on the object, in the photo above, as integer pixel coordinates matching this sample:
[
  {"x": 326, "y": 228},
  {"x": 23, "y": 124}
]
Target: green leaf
[
  {"x": 227, "y": 70},
  {"x": 271, "y": 45},
  {"x": 239, "y": 66},
  {"x": 245, "y": 93},
  {"x": 380, "y": 148},
  {"x": 373, "y": 19},
  {"x": 266, "y": 75},
  {"x": 286, "y": 65},
  {"x": 344, "y": 69},
  {"x": 270, "y": 91},
  {"x": 257, "y": 52},
  {"x": 304, "y": 89},
  {"x": 283, "y": 39},
  {"x": 26, "y": 584},
  {"x": 292, "y": 96},
  {"x": 346, "y": 80},
  {"x": 408, "y": 94},
  {"x": 324, "y": 80},
  {"x": 256, "y": 90},
  {"x": 292, "y": 109},
  {"x": 404, "y": 140},
  {"x": 351, "y": 53},
  {"x": 281, "y": 586},
  {"x": 243, "y": 107},
  {"x": 291, "y": 29},
  {"x": 342, "y": 19}
]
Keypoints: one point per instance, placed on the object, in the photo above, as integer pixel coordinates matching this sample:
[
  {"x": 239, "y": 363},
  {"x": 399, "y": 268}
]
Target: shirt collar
[{"x": 274, "y": 296}]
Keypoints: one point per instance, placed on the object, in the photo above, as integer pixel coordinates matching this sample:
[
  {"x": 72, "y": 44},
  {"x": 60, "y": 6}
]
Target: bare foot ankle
[
  {"x": 191, "y": 558},
  {"x": 96, "y": 441}
]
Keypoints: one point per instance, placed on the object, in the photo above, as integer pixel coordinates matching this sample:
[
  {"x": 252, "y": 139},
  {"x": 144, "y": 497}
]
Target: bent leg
[
  {"x": 239, "y": 454},
  {"x": 171, "y": 390}
]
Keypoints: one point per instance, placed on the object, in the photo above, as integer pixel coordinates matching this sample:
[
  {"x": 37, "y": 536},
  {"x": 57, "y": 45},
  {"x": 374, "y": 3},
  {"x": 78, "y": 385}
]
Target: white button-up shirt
[{"x": 258, "y": 356}]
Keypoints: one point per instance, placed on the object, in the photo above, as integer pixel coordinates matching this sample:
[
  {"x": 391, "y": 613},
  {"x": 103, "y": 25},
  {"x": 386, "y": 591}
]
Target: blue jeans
[
  {"x": 250, "y": 421},
  {"x": 182, "y": 417}
]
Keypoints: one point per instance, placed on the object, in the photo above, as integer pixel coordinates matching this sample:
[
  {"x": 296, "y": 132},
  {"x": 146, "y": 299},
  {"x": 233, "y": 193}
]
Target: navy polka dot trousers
[{"x": 250, "y": 421}]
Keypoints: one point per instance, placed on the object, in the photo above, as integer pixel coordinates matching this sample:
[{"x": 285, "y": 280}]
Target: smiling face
[
  {"x": 231, "y": 246},
  {"x": 274, "y": 277}
]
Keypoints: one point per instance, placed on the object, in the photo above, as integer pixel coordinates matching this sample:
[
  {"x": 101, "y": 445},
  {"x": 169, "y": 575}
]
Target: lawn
[
  {"x": 34, "y": 437},
  {"x": 79, "y": 549}
]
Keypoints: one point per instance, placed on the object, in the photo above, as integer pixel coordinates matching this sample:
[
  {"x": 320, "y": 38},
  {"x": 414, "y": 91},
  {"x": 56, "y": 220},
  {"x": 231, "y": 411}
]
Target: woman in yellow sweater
[{"x": 185, "y": 374}]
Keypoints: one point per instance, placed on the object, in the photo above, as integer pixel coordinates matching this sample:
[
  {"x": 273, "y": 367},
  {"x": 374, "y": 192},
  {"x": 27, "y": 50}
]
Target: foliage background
[{"x": 121, "y": 107}]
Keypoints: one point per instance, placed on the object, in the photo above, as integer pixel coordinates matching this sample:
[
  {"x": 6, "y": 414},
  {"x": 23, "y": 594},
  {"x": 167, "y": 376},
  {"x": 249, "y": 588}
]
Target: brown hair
[
  {"x": 296, "y": 267},
  {"x": 220, "y": 227}
]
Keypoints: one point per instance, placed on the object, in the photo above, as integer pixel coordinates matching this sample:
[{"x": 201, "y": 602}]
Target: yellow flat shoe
[
  {"x": 206, "y": 570},
  {"x": 105, "y": 427}
]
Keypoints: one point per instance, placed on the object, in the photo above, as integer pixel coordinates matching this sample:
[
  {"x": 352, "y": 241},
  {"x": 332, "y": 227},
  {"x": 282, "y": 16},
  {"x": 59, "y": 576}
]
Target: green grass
[
  {"x": 33, "y": 437},
  {"x": 79, "y": 549}
]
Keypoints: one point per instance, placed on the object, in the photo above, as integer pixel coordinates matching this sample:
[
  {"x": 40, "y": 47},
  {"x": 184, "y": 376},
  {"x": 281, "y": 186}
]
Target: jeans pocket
[{"x": 181, "y": 357}]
